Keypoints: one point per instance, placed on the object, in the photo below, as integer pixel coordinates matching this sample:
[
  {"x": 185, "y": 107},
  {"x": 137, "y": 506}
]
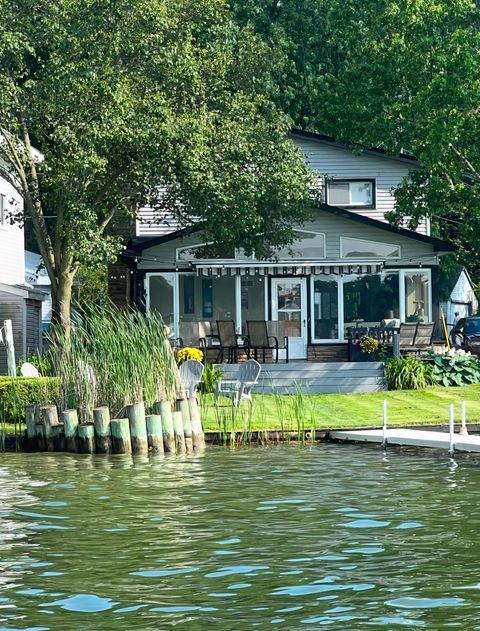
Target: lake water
[{"x": 287, "y": 537}]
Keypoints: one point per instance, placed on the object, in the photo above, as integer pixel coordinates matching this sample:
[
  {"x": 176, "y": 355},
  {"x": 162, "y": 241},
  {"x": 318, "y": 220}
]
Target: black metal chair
[
  {"x": 259, "y": 339},
  {"x": 230, "y": 342}
]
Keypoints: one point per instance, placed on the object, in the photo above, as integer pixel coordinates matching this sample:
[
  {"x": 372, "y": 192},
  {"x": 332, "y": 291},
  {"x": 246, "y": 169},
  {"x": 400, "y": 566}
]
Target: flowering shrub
[
  {"x": 184, "y": 354},
  {"x": 455, "y": 367},
  {"x": 368, "y": 345}
]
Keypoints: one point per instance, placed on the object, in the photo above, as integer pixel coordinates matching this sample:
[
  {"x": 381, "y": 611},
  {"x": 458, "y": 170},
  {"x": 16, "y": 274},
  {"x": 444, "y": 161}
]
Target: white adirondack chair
[
  {"x": 241, "y": 387},
  {"x": 190, "y": 375}
]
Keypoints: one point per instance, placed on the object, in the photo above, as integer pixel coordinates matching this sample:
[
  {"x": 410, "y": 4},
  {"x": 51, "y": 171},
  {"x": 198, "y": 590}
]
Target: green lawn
[{"x": 405, "y": 407}]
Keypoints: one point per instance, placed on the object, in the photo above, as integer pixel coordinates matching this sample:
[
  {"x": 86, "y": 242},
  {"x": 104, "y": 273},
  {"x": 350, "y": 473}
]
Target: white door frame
[
  {"x": 297, "y": 345},
  {"x": 173, "y": 277}
]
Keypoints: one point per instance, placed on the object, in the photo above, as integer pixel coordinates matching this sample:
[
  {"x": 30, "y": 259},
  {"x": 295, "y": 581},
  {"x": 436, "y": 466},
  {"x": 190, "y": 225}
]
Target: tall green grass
[{"x": 113, "y": 357}]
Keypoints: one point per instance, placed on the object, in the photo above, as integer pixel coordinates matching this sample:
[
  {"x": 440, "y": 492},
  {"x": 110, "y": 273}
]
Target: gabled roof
[
  {"x": 138, "y": 244},
  {"x": 438, "y": 244},
  {"x": 330, "y": 140}
]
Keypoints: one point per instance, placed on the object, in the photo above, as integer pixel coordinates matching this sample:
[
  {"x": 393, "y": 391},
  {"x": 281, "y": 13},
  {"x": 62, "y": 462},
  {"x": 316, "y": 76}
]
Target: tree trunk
[{"x": 62, "y": 301}]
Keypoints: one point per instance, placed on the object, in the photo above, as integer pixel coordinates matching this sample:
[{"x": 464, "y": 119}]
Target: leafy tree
[
  {"x": 399, "y": 74},
  {"x": 109, "y": 105}
]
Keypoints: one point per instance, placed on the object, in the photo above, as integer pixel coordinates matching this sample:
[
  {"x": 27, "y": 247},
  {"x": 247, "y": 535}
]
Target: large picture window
[
  {"x": 357, "y": 248},
  {"x": 353, "y": 193},
  {"x": 417, "y": 296},
  {"x": 307, "y": 245},
  {"x": 325, "y": 307},
  {"x": 369, "y": 299}
]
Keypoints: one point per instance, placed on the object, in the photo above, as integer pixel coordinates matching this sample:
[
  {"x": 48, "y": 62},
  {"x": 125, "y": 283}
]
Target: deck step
[{"x": 317, "y": 378}]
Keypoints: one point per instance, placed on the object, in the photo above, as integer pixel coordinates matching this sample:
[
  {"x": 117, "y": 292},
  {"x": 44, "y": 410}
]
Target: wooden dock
[{"x": 410, "y": 438}]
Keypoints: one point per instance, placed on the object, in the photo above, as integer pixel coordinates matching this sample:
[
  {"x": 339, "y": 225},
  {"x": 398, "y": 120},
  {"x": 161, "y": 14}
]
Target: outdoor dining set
[{"x": 263, "y": 336}]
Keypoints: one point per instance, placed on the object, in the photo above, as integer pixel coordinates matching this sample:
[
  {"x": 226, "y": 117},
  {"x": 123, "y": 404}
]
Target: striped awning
[{"x": 280, "y": 269}]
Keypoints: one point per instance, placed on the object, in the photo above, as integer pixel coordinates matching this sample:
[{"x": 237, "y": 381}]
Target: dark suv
[{"x": 466, "y": 334}]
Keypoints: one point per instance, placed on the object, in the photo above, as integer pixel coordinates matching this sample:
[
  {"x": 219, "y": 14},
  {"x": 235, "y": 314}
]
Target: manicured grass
[{"x": 405, "y": 407}]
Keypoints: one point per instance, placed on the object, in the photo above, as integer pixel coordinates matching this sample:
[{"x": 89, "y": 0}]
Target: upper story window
[{"x": 351, "y": 193}]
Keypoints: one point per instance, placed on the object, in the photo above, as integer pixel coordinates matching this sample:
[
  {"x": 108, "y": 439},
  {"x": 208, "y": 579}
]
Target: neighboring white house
[
  {"x": 18, "y": 302},
  {"x": 36, "y": 276},
  {"x": 349, "y": 266},
  {"x": 462, "y": 300}
]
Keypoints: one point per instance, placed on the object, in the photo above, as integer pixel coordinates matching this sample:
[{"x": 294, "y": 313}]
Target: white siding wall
[
  {"x": 335, "y": 162},
  {"x": 12, "y": 265},
  {"x": 328, "y": 159},
  {"x": 412, "y": 251}
]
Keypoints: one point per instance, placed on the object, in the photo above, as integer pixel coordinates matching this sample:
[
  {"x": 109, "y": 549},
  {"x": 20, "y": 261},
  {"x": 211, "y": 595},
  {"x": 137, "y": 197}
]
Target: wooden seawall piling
[{"x": 165, "y": 430}]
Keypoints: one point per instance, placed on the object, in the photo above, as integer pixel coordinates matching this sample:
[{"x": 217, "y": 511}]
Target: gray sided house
[{"x": 348, "y": 267}]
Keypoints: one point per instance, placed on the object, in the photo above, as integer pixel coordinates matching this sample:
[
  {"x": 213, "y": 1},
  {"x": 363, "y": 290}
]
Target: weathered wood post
[
  {"x": 183, "y": 407},
  {"x": 40, "y": 432},
  {"x": 58, "y": 437},
  {"x": 101, "y": 422},
  {"x": 155, "y": 433},
  {"x": 138, "y": 428},
  {"x": 49, "y": 418},
  {"x": 121, "y": 442},
  {"x": 30, "y": 421},
  {"x": 178, "y": 432},
  {"x": 198, "y": 438},
  {"x": 164, "y": 408},
  {"x": 70, "y": 426},
  {"x": 86, "y": 438}
]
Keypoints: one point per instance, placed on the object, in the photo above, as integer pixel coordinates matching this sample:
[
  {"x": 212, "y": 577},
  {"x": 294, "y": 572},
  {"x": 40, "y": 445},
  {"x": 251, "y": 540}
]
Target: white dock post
[
  {"x": 463, "y": 427},
  {"x": 384, "y": 427},
  {"x": 451, "y": 424}
]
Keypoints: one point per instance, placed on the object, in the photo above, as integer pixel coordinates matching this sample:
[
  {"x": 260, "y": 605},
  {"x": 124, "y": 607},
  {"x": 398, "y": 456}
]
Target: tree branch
[{"x": 465, "y": 160}]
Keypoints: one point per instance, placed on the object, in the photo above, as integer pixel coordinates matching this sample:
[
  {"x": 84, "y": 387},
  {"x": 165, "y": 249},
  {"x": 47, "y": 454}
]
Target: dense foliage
[
  {"x": 153, "y": 102},
  {"x": 455, "y": 368},
  {"x": 17, "y": 392},
  {"x": 399, "y": 74},
  {"x": 408, "y": 373}
]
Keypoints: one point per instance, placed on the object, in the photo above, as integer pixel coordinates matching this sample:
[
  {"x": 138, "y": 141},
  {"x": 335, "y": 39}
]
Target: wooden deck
[
  {"x": 317, "y": 377},
  {"x": 411, "y": 438}
]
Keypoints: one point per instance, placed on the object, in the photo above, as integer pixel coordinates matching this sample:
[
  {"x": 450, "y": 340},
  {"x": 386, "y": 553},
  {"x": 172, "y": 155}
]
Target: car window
[{"x": 472, "y": 326}]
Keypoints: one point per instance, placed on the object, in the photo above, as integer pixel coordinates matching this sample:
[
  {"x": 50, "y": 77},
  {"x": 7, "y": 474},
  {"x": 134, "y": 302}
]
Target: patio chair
[
  {"x": 241, "y": 387},
  {"x": 259, "y": 339},
  {"x": 407, "y": 333},
  {"x": 230, "y": 342},
  {"x": 190, "y": 376},
  {"x": 276, "y": 328},
  {"x": 423, "y": 337},
  {"x": 29, "y": 370}
]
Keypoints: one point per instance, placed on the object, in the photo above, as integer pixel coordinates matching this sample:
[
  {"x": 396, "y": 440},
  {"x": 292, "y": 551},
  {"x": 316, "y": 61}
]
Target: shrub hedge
[{"x": 17, "y": 392}]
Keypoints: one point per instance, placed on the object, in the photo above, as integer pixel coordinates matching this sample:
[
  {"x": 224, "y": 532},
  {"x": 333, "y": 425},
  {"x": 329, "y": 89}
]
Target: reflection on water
[{"x": 280, "y": 537}]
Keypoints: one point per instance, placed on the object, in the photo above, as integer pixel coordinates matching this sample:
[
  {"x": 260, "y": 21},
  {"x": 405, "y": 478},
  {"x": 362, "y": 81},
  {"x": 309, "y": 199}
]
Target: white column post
[
  {"x": 384, "y": 426},
  {"x": 451, "y": 428},
  {"x": 463, "y": 428}
]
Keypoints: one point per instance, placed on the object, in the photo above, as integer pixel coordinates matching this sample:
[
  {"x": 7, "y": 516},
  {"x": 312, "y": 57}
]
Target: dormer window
[{"x": 351, "y": 193}]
